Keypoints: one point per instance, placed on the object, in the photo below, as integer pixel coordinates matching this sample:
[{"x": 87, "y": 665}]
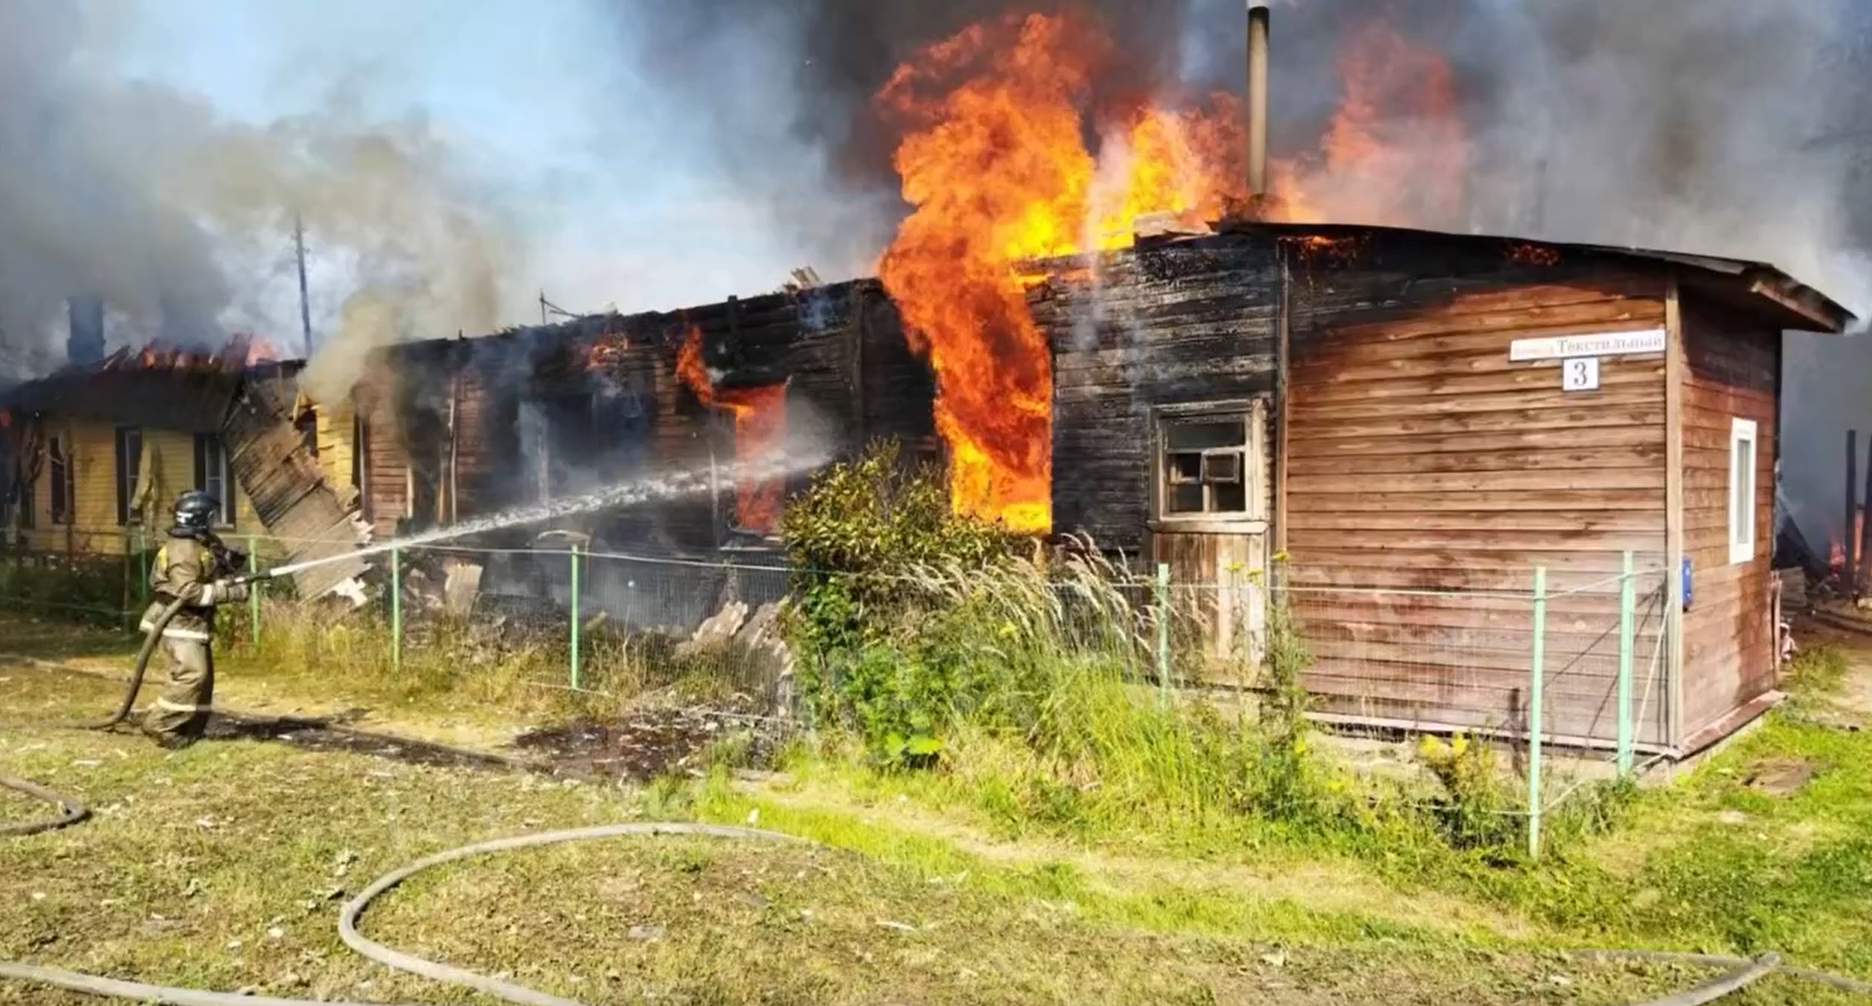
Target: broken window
[
  {"x": 360, "y": 462},
  {"x": 307, "y": 425},
  {"x": 129, "y": 474},
  {"x": 213, "y": 474},
  {"x": 1209, "y": 463},
  {"x": 755, "y": 441},
  {"x": 60, "y": 461}
]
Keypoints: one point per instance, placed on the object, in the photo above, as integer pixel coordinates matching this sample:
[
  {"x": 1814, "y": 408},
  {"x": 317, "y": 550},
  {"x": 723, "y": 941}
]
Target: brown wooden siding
[
  {"x": 1730, "y": 368},
  {"x": 1173, "y": 324},
  {"x": 1420, "y": 457}
]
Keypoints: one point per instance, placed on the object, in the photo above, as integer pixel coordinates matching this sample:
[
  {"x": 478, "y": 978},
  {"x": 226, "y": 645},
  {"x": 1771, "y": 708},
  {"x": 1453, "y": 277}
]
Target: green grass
[
  {"x": 222, "y": 867},
  {"x": 1130, "y": 857}
]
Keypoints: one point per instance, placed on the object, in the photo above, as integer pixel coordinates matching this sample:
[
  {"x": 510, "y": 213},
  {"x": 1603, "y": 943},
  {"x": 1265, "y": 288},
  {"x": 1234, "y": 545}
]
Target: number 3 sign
[{"x": 1579, "y": 374}]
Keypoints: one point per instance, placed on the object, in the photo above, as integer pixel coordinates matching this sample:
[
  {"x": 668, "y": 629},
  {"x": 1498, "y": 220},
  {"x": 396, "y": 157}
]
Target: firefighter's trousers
[{"x": 182, "y": 707}]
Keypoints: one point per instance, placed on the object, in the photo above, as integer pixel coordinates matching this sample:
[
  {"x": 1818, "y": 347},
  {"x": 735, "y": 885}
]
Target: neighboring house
[
  {"x": 456, "y": 428},
  {"x": 101, "y": 451}
]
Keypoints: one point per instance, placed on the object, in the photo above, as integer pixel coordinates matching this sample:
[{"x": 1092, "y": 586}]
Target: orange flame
[
  {"x": 1396, "y": 152},
  {"x": 759, "y": 426},
  {"x": 994, "y": 160},
  {"x": 1527, "y": 253},
  {"x": 606, "y": 349},
  {"x": 240, "y": 352}
]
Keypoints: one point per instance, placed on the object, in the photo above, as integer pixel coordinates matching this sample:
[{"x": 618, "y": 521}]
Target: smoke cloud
[
  {"x": 1727, "y": 127},
  {"x": 179, "y": 218}
]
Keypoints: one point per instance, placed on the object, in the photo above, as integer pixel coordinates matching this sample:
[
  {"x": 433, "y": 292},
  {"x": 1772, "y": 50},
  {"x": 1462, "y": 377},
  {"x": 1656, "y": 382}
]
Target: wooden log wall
[
  {"x": 1177, "y": 323},
  {"x": 1730, "y": 369},
  {"x": 1426, "y": 475},
  {"x": 386, "y": 496},
  {"x": 287, "y": 487},
  {"x": 840, "y": 349}
]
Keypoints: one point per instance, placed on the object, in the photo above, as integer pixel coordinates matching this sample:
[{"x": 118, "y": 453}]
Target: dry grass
[
  {"x": 221, "y": 867},
  {"x": 226, "y": 842}
]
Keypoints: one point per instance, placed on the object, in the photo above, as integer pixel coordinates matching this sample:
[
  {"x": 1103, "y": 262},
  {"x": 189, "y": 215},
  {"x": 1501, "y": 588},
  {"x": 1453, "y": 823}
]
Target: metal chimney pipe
[{"x": 1257, "y": 97}]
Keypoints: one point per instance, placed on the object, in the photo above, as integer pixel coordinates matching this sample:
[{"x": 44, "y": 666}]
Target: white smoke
[{"x": 179, "y": 218}]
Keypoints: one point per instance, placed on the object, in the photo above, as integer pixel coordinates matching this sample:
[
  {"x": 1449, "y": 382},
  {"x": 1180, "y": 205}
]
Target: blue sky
[{"x": 542, "y": 99}]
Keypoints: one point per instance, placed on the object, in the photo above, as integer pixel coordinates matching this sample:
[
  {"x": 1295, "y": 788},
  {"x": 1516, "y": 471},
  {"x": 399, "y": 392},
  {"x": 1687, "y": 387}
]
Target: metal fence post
[
  {"x": 1534, "y": 713},
  {"x": 1163, "y": 633},
  {"x": 396, "y": 609},
  {"x": 575, "y": 616},
  {"x": 253, "y": 590},
  {"x": 1628, "y": 594}
]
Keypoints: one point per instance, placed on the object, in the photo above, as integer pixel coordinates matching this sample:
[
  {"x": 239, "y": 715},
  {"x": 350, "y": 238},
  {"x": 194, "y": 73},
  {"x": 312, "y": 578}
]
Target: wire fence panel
[{"x": 1385, "y": 651}]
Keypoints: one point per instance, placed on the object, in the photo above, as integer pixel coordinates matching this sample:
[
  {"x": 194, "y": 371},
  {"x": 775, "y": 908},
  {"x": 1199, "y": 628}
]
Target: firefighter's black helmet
[{"x": 195, "y": 511}]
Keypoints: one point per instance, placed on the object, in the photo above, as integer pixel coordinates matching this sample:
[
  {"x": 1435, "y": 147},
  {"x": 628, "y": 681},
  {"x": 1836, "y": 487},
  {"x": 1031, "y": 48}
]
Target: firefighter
[{"x": 195, "y": 565}]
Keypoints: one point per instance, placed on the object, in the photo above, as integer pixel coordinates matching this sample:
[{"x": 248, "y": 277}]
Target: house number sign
[{"x": 1580, "y": 374}]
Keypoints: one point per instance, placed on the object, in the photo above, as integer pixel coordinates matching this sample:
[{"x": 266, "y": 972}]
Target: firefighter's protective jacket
[{"x": 191, "y": 567}]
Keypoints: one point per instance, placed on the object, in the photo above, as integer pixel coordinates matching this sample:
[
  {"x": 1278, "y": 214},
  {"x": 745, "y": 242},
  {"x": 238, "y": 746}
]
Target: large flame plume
[
  {"x": 995, "y": 162},
  {"x": 759, "y": 428}
]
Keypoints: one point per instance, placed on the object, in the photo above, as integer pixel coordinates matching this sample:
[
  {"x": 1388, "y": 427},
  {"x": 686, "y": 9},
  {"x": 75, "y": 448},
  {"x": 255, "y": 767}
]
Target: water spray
[{"x": 680, "y": 484}]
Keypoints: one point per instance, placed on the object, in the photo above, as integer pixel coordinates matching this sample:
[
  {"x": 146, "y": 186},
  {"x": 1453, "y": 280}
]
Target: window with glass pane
[
  {"x": 129, "y": 451},
  {"x": 61, "y": 487},
  {"x": 1742, "y": 455},
  {"x": 1205, "y": 465},
  {"x": 214, "y": 475}
]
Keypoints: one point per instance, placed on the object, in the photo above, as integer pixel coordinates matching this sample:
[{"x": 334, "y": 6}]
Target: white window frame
[
  {"x": 213, "y": 448},
  {"x": 130, "y": 473},
  {"x": 1742, "y": 505}
]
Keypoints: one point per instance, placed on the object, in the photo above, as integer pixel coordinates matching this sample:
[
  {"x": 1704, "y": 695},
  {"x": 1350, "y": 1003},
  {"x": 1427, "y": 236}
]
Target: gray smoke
[
  {"x": 1729, "y": 127},
  {"x": 782, "y": 90},
  {"x": 181, "y": 220}
]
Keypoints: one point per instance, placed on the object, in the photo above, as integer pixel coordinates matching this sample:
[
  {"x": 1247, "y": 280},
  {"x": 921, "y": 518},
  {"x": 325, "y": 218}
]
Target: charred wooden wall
[
  {"x": 1731, "y": 365},
  {"x": 1426, "y": 475},
  {"x": 452, "y": 407},
  {"x": 288, "y": 488},
  {"x": 1169, "y": 324}
]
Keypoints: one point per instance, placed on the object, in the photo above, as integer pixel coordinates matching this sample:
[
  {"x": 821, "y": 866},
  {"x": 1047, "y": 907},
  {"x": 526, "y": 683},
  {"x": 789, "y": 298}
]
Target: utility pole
[{"x": 305, "y": 303}]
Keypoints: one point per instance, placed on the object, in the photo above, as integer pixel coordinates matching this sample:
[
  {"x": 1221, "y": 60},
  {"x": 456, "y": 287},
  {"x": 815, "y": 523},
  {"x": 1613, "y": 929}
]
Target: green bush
[{"x": 870, "y": 625}]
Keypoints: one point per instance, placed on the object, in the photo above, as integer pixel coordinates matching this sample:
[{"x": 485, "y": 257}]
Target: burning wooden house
[
  {"x": 453, "y": 429},
  {"x": 1419, "y": 420},
  {"x": 99, "y": 452}
]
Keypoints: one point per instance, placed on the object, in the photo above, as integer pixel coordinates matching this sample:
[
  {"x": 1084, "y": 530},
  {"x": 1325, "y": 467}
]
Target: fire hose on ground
[{"x": 1740, "y": 972}]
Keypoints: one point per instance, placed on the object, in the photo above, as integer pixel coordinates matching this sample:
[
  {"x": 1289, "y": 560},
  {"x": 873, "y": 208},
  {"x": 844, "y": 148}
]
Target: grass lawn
[{"x": 223, "y": 866}]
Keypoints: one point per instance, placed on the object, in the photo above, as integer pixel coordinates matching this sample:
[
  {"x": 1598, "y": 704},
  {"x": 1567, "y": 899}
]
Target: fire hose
[
  {"x": 151, "y": 639},
  {"x": 71, "y": 811},
  {"x": 1741, "y": 972}
]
